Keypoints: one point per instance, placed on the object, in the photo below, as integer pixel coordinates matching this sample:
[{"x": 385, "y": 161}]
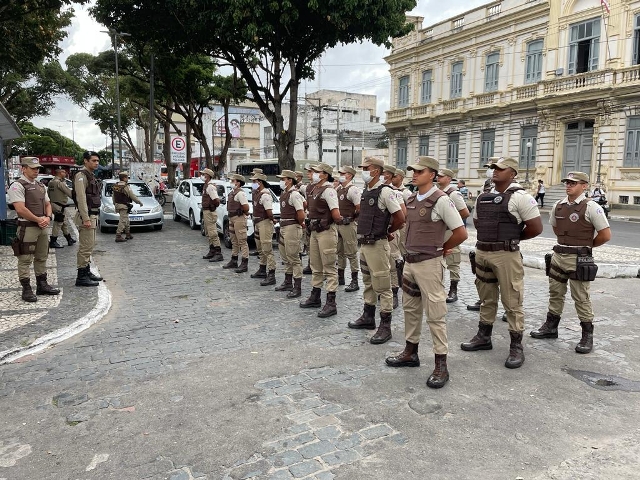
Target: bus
[{"x": 270, "y": 167}]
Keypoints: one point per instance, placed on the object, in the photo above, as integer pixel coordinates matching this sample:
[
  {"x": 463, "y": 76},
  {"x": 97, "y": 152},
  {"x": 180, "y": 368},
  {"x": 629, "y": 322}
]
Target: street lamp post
[
  {"x": 526, "y": 176},
  {"x": 600, "y": 144},
  {"x": 113, "y": 155}
]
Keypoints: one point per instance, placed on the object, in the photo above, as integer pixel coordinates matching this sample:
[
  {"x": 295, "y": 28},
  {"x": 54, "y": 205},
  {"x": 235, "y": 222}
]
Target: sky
[{"x": 356, "y": 68}]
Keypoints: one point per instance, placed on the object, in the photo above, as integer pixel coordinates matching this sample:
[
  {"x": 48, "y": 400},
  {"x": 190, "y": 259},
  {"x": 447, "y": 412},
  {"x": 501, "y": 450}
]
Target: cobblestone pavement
[{"x": 197, "y": 372}]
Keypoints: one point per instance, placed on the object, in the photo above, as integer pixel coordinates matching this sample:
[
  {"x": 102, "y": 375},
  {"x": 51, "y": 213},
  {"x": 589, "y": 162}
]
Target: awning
[{"x": 8, "y": 127}]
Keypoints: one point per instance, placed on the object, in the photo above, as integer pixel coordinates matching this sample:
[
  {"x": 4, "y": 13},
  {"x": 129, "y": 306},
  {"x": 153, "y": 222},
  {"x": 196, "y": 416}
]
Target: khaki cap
[
  {"x": 123, "y": 174},
  {"x": 322, "y": 167},
  {"x": 299, "y": 173},
  {"x": 235, "y": 176},
  {"x": 400, "y": 172},
  {"x": 389, "y": 168},
  {"x": 208, "y": 171},
  {"x": 501, "y": 163},
  {"x": 576, "y": 177},
  {"x": 259, "y": 176},
  {"x": 309, "y": 166},
  {"x": 445, "y": 172},
  {"x": 346, "y": 169},
  {"x": 371, "y": 161},
  {"x": 32, "y": 162},
  {"x": 256, "y": 170},
  {"x": 288, "y": 174},
  {"x": 425, "y": 162}
]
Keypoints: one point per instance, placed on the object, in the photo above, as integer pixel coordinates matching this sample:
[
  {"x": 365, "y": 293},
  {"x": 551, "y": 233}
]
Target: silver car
[{"x": 150, "y": 214}]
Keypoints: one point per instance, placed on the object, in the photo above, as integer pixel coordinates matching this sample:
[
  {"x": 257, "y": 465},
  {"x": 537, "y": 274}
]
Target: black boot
[
  {"x": 330, "y": 308},
  {"x": 481, "y": 341},
  {"x": 313, "y": 301},
  {"x": 53, "y": 243},
  {"x": 287, "y": 285},
  {"x": 440, "y": 374},
  {"x": 83, "y": 279},
  {"x": 452, "y": 296},
  {"x": 233, "y": 263},
  {"x": 341, "y": 276},
  {"x": 367, "y": 320},
  {"x": 353, "y": 286},
  {"x": 70, "y": 240},
  {"x": 395, "y": 297},
  {"x": 120, "y": 238},
  {"x": 244, "y": 266},
  {"x": 296, "y": 291},
  {"x": 384, "y": 330},
  {"x": 270, "y": 279},
  {"x": 408, "y": 357},
  {"x": 128, "y": 235},
  {"x": 260, "y": 273},
  {"x": 95, "y": 278},
  {"x": 516, "y": 353},
  {"x": 475, "y": 307},
  {"x": 27, "y": 292},
  {"x": 549, "y": 328},
  {"x": 217, "y": 255},
  {"x": 586, "y": 342},
  {"x": 43, "y": 288},
  {"x": 307, "y": 270},
  {"x": 255, "y": 253},
  {"x": 209, "y": 254}
]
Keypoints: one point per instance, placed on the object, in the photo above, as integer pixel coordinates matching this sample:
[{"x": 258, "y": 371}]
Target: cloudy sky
[{"x": 357, "y": 68}]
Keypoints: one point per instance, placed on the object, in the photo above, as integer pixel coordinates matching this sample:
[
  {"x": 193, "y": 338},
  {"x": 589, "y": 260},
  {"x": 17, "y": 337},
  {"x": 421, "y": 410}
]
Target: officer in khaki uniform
[
  {"x": 503, "y": 217},
  {"x": 306, "y": 190},
  {"x": 291, "y": 225},
  {"x": 59, "y": 195},
  {"x": 238, "y": 209},
  {"x": 580, "y": 224},
  {"x": 256, "y": 234},
  {"x": 123, "y": 197},
  {"x": 453, "y": 261},
  {"x": 324, "y": 214},
  {"x": 395, "y": 257},
  {"x": 210, "y": 202},
  {"x": 29, "y": 199},
  {"x": 398, "y": 183},
  {"x": 86, "y": 196},
  {"x": 380, "y": 216},
  {"x": 263, "y": 226},
  {"x": 430, "y": 215},
  {"x": 349, "y": 204}
]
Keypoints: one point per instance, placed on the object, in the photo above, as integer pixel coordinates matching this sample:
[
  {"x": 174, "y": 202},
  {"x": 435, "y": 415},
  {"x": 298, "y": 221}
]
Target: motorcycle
[
  {"x": 160, "y": 195},
  {"x": 602, "y": 201}
]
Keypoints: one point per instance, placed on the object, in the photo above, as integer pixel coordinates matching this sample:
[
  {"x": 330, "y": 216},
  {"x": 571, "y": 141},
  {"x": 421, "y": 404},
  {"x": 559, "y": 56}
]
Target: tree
[
  {"x": 44, "y": 141},
  {"x": 272, "y": 44}
]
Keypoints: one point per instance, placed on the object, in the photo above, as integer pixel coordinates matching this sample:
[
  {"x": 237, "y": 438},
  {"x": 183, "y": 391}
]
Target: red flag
[{"x": 605, "y": 5}]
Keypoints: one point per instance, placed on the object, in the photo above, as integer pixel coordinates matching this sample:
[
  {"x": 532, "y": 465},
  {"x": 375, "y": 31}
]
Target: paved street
[{"x": 197, "y": 372}]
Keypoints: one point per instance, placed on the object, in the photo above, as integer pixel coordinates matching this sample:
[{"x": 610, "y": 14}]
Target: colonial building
[{"x": 555, "y": 84}]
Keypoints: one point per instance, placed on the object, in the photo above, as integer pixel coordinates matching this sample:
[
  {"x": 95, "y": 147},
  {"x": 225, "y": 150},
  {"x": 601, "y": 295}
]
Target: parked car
[
  {"x": 148, "y": 215},
  {"x": 45, "y": 179},
  {"x": 187, "y": 202}
]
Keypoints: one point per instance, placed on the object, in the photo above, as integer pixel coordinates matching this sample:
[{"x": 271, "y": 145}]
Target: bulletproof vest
[
  {"x": 287, "y": 212},
  {"x": 450, "y": 189},
  {"x": 34, "y": 197},
  {"x": 347, "y": 208},
  {"x": 309, "y": 190},
  {"x": 92, "y": 190},
  {"x": 495, "y": 223},
  {"x": 234, "y": 208},
  {"x": 56, "y": 195},
  {"x": 373, "y": 222},
  {"x": 423, "y": 234},
  {"x": 207, "y": 201},
  {"x": 318, "y": 208},
  {"x": 119, "y": 195},
  {"x": 259, "y": 212},
  {"x": 573, "y": 228}
]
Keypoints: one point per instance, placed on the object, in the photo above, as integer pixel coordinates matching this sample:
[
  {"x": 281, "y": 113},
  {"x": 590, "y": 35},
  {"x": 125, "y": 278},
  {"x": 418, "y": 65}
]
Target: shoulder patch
[{"x": 533, "y": 201}]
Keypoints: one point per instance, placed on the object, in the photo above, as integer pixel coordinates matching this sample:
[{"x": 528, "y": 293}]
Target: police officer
[
  {"x": 238, "y": 209},
  {"x": 299, "y": 179},
  {"x": 86, "y": 196},
  {"x": 453, "y": 261},
  {"x": 398, "y": 183},
  {"x": 210, "y": 202},
  {"x": 380, "y": 216},
  {"x": 349, "y": 204},
  {"x": 306, "y": 191},
  {"x": 579, "y": 224},
  {"x": 291, "y": 225},
  {"x": 430, "y": 216},
  {"x": 502, "y": 217},
  {"x": 29, "y": 199},
  {"x": 263, "y": 227},
  {"x": 395, "y": 257},
  {"x": 256, "y": 234},
  {"x": 123, "y": 197},
  {"x": 324, "y": 214},
  {"x": 59, "y": 195}
]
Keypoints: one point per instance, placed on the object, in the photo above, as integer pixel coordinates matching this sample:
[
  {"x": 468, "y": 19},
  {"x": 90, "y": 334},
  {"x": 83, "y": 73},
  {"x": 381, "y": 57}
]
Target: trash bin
[{"x": 8, "y": 229}]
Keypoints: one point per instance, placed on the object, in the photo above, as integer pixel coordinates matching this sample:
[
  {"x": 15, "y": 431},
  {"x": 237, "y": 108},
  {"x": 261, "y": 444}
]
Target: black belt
[
  {"x": 288, "y": 221},
  {"x": 420, "y": 257},
  {"x": 369, "y": 240},
  {"x": 27, "y": 223},
  {"x": 573, "y": 250},
  {"x": 94, "y": 212},
  {"x": 506, "y": 246}
]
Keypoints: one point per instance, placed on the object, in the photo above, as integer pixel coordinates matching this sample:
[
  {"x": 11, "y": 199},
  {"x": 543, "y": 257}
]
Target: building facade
[{"x": 555, "y": 84}]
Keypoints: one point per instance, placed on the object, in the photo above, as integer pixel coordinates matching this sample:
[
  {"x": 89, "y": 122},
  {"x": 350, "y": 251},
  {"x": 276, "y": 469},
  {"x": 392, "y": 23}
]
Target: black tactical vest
[
  {"x": 373, "y": 222},
  {"x": 495, "y": 223}
]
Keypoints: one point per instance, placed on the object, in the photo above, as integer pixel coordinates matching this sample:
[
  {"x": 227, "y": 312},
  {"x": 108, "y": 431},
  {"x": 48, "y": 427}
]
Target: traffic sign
[{"x": 178, "y": 150}]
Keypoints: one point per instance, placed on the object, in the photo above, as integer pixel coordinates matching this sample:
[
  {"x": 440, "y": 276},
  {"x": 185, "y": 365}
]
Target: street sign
[{"x": 178, "y": 150}]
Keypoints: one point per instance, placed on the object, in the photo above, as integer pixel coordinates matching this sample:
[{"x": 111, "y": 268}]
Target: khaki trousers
[
  {"x": 86, "y": 240},
  {"x": 501, "y": 273},
  {"x": 59, "y": 226},
  {"x": 558, "y": 289},
  {"x": 348, "y": 246},
  {"x": 238, "y": 233},
  {"x": 374, "y": 263},
  {"x": 264, "y": 238},
  {"x": 423, "y": 291},
  {"x": 322, "y": 254},
  {"x": 209, "y": 219},
  {"x": 289, "y": 247},
  {"x": 38, "y": 252},
  {"x": 403, "y": 240},
  {"x": 453, "y": 264},
  {"x": 123, "y": 224}
]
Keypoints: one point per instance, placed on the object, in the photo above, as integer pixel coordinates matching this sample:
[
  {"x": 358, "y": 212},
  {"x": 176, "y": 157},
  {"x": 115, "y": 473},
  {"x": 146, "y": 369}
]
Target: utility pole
[
  {"x": 319, "y": 131},
  {"x": 338, "y": 138},
  {"x": 73, "y": 132},
  {"x": 306, "y": 144},
  {"x": 152, "y": 113}
]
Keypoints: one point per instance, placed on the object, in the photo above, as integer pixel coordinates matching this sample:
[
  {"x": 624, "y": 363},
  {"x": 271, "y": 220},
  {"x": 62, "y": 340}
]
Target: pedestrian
[
  {"x": 540, "y": 193},
  {"x": 59, "y": 194},
  {"x": 291, "y": 225},
  {"x": 263, "y": 228},
  {"x": 238, "y": 209},
  {"x": 349, "y": 204},
  {"x": 256, "y": 234},
  {"x": 210, "y": 202},
  {"x": 394, "y": 244},
  {"x": 453, "y": 260},
  {"x": 123, "y": 198},
  {"x": 503, "y": 218},
  {"x": 306, "y": 190},
  {"x": 580, "y": 225},
  {"x": 324, "y": 214},
  {"x": 432, "y": 217},
  {"x": 379, "y": 220},
  {"x": 86, "y": 196},
  {"x": 30, "y": 200}
]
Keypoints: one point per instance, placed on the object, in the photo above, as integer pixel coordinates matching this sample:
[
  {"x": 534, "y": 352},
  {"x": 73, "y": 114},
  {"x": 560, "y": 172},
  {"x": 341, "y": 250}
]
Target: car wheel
[
  {"x": 176, "y": 217},
  {"x": 226, "y": 235},
  {"x": 103, "y": 229},
  {"x": 157, "y": 227},
  {"x": 192, "y": 220}
]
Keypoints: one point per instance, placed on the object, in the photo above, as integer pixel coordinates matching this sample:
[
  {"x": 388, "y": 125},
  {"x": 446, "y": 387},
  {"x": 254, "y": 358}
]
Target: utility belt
[
  {"x": 572, "y": 250},
  {"x": 93, "y": 211},
  {"x": 61, "y": 205},
  {"x": 585, "y": 270},
  {"x": 288, "y": 221},
  {"x": 347, "y": 220},
  {"x": 18, "y": 245},
  {"x": 237, "y": 213},
  {"x": 27, "y": 223},
  {"x": 319, "y": 225},
  {"x": 368, "y": 240},
  {"x": 420, "y": 257},
  {"x": 506, "y": 246},
  {"x": 257, "y": 220}
]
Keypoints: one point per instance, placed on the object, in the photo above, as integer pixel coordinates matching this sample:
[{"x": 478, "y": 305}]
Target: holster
[
  {"x": 472, "y": 260},
  {"x": 547, "y": 263},
  {"x": 19, "y": 246},
  {"x": 129, "y": 207},
  {"x": 58, "y": 216},
  {"x": 586, "y": 269}
]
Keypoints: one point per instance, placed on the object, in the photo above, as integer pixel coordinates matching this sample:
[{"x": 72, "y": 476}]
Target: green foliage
[{"x": 44, "y": 141}]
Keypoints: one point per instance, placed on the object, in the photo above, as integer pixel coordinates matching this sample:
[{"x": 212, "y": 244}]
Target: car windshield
[
  {"x": 139, "y": 189},
  {"x": 197, "y": 189}
]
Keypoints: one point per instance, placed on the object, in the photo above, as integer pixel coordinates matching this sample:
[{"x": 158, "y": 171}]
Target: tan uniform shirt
[
  {"x": 353, "y": 195},
  {"x": 60, "y": 185},
  {"x": 79, "y": 185},
  {"x": 593, "y": 214},
  {"x": 295, "y": 199},
  {"x": 241, "y": 198},
  {"x": 129, "y": 193},
  {"x": 330, "y": 196},
  {"x": 212, "y": 191},
  {"x": 16, "y": 192},
  {"x": 266, "y": 200},
  {"x": 388, "y": 199},
  {"x": 521, "y": 205}
]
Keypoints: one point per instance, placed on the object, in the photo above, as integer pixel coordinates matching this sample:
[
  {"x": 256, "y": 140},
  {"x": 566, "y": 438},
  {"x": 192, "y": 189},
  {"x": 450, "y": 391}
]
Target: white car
[
  {"x": 148, "y": 215},
  {"x": 187, "y": 202}
]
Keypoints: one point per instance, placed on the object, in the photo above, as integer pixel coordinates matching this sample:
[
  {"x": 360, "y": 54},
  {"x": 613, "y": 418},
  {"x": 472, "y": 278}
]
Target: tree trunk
[
  {"x": 187, "y": 166},
  {"x": 166, "y": 150}
]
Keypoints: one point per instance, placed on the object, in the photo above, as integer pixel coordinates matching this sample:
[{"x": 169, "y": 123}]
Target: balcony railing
[
  {"x": 524, "y": 93},
  {"x": 486, "y": 99},
  {"x": 627, "y": 75},
  {"x": 575, "y": 82},
  {"x": 450, "y": 105}
]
